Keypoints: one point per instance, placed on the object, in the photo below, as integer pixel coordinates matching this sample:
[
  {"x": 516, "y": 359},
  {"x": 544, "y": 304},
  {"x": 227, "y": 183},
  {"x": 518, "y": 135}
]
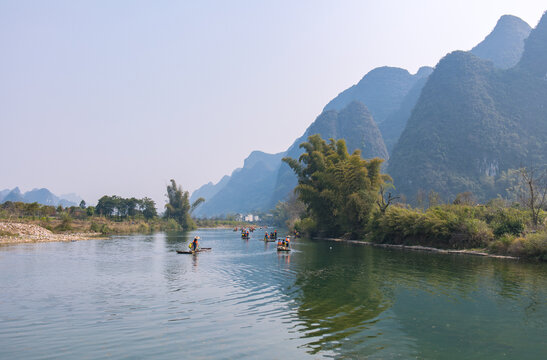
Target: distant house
[{"x": 251, "y": 218}]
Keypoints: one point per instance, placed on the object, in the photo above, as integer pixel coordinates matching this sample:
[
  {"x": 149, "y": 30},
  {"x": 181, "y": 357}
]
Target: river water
[{"x": 135, "y": 297}]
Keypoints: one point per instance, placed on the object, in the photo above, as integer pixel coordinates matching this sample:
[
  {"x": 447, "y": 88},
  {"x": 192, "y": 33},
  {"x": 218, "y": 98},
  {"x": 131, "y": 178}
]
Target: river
[{"x": 135, "y": 297}]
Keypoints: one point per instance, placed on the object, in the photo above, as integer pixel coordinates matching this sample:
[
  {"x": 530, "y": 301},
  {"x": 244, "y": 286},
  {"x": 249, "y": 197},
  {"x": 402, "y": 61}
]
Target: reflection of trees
[
  {"x": 338, "y": 298},
  {"x": 344, "y": 291}
]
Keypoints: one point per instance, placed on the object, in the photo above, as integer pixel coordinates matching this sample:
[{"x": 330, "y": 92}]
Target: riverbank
[
  {"x": 17, "y": 233},
  {"x": 422, "y": 248}
]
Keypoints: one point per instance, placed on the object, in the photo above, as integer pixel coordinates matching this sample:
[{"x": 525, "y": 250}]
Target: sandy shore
[
  {"x": 17, "y": 233},
  {"x": 423, "y": 248}
]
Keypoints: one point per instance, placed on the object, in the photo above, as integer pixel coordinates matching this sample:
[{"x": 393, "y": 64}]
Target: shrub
[
  {"x": 66, "y": 223},
  {"x": 144, "y": 228},
  {"x": 171, "y": 225},
  {"x": 305, "y": 225},
  {"x": 508, "y": 222},
  {"x": 95, "y": 227},
  {"x": 532, "y": 246},
  {"x": 501, "y": 245}
]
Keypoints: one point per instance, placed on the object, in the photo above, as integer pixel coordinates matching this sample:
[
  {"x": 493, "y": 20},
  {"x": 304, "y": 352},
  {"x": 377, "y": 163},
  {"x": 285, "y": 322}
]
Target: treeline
[
  {"x": 116, "y": 206},
  {"x": 342, "y": 195},
  {"x": 20, "y": 209}
]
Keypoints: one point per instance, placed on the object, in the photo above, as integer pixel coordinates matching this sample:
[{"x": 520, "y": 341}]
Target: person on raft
[
  {"x": 266, "y": 237},
  {"x": 194, "y": 245}
]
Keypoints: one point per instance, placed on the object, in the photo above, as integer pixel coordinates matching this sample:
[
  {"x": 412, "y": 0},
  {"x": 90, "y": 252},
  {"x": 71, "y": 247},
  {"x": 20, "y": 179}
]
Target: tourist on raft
[{"x": 194, "y": 245}]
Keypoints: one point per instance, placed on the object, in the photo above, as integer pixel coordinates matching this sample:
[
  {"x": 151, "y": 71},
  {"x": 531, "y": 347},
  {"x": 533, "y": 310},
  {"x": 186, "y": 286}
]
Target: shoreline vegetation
[
  {"x": 30, "y": 231},
  {"x": 340, "y": 195},
  {"x": 32, "y": 222}
]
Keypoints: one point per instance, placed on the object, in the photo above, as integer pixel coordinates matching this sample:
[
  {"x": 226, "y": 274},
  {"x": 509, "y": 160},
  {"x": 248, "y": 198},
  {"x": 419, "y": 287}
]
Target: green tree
[
  {"x": 90, "y": 211},
  {"x": 82, "y": 204},
  {"x": 339, "y": 190},
  {"x": 148, "y": 208},
  {"x": 178, "y": 206}
]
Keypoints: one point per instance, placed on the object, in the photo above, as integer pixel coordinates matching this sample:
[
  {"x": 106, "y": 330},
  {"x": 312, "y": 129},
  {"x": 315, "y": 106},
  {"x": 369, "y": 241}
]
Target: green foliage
[
  {"x": 116, "y": 206},
  {"x": 338, "y": 189},
  {"x": 90, "y": 210},
  {"x": 473, "y": 122},
  {"x": 66, "y": 223},
  {"x": 438, "y": 227},
  {"x": 532, "y": 246},
  {"x": 148, "y": 208},
  {"x": 178, "y": 207},
  {"x": 171, "y": 225},
  {"x": 508, "y": 223},
  {"x": 287, "y": 213},
  {"x": 94, "y": 227}
]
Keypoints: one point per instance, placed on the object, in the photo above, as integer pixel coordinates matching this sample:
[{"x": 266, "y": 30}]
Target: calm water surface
[{"x": 135, "y": 297}]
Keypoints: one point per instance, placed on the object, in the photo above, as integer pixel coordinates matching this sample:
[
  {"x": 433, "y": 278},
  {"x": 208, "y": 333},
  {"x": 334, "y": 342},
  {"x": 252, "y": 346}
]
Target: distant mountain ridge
[
  {"x": 390, "y": 97},
  {"x": 42, "y": 196},
  {"x": 248, "y": 189},
  {"x": 382, "y": 90}
]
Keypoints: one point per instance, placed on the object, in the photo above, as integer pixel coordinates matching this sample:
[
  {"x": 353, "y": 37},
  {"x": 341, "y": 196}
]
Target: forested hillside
[{"x": 473, "y": 122}]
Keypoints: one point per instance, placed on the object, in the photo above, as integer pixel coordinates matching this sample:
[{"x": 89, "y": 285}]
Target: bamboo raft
[{"x": 193, "y": 252}]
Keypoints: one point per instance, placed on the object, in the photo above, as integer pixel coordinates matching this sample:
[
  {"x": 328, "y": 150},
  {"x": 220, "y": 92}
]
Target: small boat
[
  {"x": 193, "y": 252},
  {"x": 270, "y": 240},
  {"x": 283, "y": 248}
]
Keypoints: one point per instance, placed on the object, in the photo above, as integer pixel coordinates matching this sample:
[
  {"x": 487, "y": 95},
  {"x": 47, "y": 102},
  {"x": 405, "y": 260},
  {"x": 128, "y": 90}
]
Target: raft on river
[
  {"x": 283, "y": 248},
  {"x": 193, "y": 252}
]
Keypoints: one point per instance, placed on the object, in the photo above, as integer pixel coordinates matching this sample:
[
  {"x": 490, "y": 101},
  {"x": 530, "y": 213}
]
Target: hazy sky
[{"x": 117, "y": 97}]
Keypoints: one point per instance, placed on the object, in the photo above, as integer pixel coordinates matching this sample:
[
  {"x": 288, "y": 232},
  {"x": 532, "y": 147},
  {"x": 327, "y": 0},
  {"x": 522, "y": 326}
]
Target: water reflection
[
  {"x": 338, "y": 299},
  {"x": 353, "y": 300}
]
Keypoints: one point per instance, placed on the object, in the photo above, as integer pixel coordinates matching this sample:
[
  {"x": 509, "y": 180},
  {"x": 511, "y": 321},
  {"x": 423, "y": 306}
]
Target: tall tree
[
  {"x": 179, "y": 207},
  {"x": 340, "y": 190},
  {"x": 148, "y": 207}
]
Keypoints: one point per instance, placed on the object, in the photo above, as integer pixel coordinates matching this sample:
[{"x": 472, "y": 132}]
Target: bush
[
  {"x": 501, "y": 245},
  {"x": 305, "y": 225},
  {"x": 105, "y": 229},
  {"x": 171, "y": 225},
  {"x": 144, "y": 228},
  {"x": 438, "y": 227},
  {"x": 531, "y": 246},
  {"x": 508, "y": 222},
  {"x": 95, "y": 227},
  {"x": 66, "y": 223}
]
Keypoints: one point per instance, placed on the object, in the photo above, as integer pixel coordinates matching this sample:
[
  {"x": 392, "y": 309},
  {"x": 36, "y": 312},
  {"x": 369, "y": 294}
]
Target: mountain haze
[
  {"x": 382, "y": 90},
  {"x": 41, "y": 196},
  {"x": 247, "y": 190},
  {"x": 505, "y": 44},
  {"x": 474, "y": 121},
  {"x": 467, "y": 109}
]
